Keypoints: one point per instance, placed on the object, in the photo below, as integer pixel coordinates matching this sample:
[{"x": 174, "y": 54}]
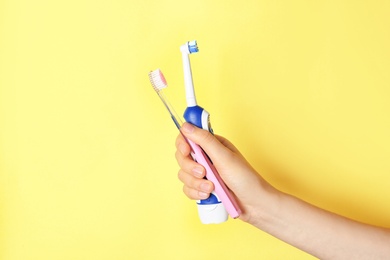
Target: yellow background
[{"x": 87, "y": 168}]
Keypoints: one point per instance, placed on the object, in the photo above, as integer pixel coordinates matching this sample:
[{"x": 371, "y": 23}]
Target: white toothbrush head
[
  {"x": 189, "y": 47},
  {"x": 157, "y": 80}
]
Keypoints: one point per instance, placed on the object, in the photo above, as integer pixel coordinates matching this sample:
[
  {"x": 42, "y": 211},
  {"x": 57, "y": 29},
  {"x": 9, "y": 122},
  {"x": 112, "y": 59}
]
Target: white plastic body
[
  {"x": 189, "y": 84},
  {"x": 206, "y": 121},
  {"x": 212, "y": 213}
]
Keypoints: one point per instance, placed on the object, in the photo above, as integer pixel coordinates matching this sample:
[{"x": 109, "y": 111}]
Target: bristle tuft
[
  {"x": 157, "y": 80},
  {"x": 193, "y": 46}
]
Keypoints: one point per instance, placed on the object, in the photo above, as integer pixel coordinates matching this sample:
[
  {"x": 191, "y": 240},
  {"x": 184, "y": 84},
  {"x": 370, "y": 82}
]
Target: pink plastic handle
[{"x": 212, "y": 174}]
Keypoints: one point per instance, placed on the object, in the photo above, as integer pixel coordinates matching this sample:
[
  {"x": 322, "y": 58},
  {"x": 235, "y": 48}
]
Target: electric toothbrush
[
  {"x": 193, "y": 114},
  {"x": 210, "y": 210}
]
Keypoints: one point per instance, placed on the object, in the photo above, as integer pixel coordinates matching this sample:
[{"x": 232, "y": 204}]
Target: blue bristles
[{"x": 193, "y": 47}]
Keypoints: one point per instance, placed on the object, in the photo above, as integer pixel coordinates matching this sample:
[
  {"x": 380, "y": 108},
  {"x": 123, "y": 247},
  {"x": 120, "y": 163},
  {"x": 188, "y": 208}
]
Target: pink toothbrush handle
[{"x": 212, "y": 174}]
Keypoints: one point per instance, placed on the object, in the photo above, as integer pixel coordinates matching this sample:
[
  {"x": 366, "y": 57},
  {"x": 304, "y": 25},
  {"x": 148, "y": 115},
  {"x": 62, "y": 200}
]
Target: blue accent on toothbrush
[
  {"x": 193, "y": 47},
  {"x": 193, "y": 115},
  {"x": 209, "y": 201}
]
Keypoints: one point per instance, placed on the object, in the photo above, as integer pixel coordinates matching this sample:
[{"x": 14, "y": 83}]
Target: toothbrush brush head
[
  {"x": 192, "y": 47},
  {"x": 157, "y": 80}
]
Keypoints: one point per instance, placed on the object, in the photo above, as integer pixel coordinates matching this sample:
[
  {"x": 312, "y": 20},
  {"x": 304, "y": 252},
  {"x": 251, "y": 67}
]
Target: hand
[
  {"x": 246, "y": 184},
  {"x": 284, "y": 216}
]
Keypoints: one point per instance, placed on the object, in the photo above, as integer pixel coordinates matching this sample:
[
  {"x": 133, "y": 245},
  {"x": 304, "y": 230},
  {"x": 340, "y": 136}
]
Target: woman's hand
[{"x": 238, "y": 175}]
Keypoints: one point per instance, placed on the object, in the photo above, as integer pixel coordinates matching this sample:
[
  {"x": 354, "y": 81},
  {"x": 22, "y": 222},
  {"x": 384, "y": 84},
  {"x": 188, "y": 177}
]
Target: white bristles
[
  {"x": 158, "y": 80},
  {"x": 159, "y": 83}
]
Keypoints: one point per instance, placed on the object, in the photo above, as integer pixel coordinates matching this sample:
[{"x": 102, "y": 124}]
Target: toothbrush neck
[
  {"x": 191, "y": 102},
  {"x": 189, "y": 85}
]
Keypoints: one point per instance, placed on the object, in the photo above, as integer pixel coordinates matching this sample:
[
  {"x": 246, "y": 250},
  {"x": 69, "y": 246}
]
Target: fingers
[
  {"x": 182, "y": 145},
  {"x": 212, "y": 145},
  {"x": 191, "y": 173},
  {"x": 185, "y": 161},
  {"x": 195, "y": 188},
  {"x": 190, "y": 166}
]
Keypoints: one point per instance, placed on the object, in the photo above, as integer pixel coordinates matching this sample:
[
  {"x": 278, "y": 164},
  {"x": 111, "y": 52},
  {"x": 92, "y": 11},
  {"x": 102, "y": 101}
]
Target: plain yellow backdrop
[{"x": 87, "y": 168}]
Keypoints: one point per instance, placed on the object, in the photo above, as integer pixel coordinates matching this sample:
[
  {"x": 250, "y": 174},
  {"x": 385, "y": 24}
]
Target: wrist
[{"x": 267, "y": 207}]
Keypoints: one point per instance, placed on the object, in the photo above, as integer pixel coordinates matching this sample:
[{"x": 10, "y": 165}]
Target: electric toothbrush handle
[{"x": 212, "y": 174}]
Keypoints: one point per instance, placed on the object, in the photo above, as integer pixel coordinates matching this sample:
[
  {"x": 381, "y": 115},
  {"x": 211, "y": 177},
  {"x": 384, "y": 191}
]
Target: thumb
[{"x": 209, "y": 143}]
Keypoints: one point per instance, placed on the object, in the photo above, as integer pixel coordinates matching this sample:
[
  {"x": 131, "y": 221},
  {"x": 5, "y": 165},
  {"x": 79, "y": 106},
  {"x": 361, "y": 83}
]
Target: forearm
[{"x": 319, "y": 232}]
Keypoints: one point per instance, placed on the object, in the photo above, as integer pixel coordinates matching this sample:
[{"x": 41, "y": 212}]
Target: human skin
[{"x": 314, "y": 230}]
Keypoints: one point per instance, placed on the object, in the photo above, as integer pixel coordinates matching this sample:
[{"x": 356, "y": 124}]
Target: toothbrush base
[{"x": 212, "y": 213}]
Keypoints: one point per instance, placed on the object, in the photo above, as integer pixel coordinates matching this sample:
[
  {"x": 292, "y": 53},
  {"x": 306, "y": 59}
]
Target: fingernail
[
  {"x": 205, "y": 187},
  {"x": 203, "y": 195},
  {"x": 198, "y": 171},
  {"x": 188, "y": 128}
]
